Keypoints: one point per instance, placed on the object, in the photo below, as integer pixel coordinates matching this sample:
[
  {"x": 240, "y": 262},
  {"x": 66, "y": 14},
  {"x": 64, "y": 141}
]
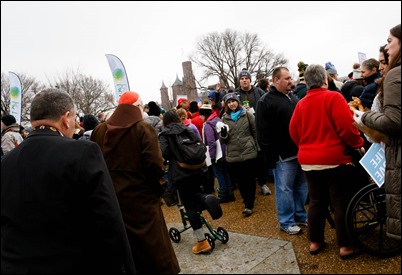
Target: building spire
[{"x": 177, "y": 82}]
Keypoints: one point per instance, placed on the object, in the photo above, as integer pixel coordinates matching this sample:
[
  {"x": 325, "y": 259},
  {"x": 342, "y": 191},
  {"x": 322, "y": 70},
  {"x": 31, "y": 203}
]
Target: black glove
[{"x": 224, "y": 131}]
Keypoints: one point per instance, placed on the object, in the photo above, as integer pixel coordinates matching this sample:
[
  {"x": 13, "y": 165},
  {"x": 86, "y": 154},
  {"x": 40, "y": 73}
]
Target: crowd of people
[{"x": 85, "y": 196}]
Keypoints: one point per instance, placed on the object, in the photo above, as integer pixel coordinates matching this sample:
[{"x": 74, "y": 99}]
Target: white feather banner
[
  {"x": 15, "y": 96},
  {"x": 119, "y": 75}
]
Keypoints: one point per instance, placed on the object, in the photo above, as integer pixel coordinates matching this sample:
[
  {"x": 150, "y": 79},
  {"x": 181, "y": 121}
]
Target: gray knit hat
[
  {"x": 245, "y": 73},
  {"x": 232, "y": 96}
]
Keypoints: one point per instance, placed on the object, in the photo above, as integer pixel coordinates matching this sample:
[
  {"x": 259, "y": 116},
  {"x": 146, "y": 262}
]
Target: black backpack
[{"x": 189, "y": 150}]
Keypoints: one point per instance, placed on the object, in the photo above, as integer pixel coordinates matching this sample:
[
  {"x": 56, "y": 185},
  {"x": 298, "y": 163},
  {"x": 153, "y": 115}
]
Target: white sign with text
[{"x": 373, "y": 162}]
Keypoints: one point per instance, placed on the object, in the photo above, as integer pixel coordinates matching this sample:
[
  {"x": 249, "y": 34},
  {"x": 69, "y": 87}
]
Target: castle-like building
[{"x": 181, "y": 88}]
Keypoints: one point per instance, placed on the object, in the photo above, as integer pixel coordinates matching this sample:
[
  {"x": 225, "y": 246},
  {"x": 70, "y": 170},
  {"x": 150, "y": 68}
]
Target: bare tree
[
  {"x": 30, "y": 87},
  {"x": 225, "y": 54},
  {"x": 91, "y": 95},
  {"x": 5, "y": 94},
  {"x": 95, "y": 97}
]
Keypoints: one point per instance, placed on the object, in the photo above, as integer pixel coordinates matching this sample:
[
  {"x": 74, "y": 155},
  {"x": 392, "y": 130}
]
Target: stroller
[{"x": 211, "y": 204}]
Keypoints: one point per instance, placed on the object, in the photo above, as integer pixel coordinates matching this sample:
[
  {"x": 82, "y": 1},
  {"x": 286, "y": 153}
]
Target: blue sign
[{"x": 374, "y": 163}]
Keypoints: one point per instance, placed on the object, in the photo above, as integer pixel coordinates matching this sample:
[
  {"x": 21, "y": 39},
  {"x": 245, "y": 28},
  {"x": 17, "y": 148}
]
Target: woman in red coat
[{"x": 322, "y": 128}]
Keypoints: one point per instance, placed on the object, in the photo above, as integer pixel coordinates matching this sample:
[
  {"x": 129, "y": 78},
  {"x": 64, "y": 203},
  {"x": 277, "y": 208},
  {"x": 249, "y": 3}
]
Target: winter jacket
[
  {"x": 59, "y": 211},
  {"x": 155, "y": 122},
  {"x": 274, "y": 111},
  {"x": 211, "y": 136},
  {"x": 86, "y": 135},
  {"x": 10, "y": 138},
  {"x": 175, "y": 172},
  {"x": 131, "y": 149},
  {"x": 300, "y": 90},
  {"x": 389, "y": 123},
  {"x": 351, "y": 88},
  {"x": 197, "y": 121},
  {"x": 370, "y": 90},
  {"x": 322, "y": 128},
  {"x": 241, "y": 140},
  {"x": 251, "y": 96},
  {"x": 190, "y": 125}
]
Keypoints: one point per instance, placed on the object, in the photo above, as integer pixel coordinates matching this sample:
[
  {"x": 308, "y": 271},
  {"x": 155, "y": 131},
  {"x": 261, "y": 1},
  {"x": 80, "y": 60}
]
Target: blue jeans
[
  {"x": 291, "y": 193},
  {"x": 222, "y": 175}
]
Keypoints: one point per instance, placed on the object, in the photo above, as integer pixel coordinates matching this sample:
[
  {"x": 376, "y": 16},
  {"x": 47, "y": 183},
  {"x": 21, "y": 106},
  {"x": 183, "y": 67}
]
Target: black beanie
[
  {"x": 8, "y": 120},
  {"x": 154, "y": 109},
  {"x": 89, "y": 122},
  {"x": 193, "y": 107}
]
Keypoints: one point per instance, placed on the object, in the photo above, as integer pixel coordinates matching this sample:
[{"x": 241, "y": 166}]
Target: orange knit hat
[{"x": 131, "y": 98}]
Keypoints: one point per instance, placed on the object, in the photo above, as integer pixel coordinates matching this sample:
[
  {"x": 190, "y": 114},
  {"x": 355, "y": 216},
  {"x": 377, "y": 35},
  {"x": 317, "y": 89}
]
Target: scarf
[{"x": 235, "y": 115}]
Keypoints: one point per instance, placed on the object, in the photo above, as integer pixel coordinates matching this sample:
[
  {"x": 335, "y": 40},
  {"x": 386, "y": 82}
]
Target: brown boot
[{"x": 202, "y": 246}]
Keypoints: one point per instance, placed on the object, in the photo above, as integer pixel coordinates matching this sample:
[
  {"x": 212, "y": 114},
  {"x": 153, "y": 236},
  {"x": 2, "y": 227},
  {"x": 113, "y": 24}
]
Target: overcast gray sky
[{"x": 47, "y": 39}]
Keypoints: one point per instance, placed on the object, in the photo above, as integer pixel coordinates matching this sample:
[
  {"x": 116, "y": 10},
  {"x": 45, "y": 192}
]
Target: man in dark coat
[
  {"x": 131, "y": 149},
  {"x": 59, "y": 212},
  {"x": 274, "y": 111}
]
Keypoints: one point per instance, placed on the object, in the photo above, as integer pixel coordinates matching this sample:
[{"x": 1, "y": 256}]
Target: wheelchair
[
  {"x": 366, "y": 222},
  {"x": 207, "y": 202}
]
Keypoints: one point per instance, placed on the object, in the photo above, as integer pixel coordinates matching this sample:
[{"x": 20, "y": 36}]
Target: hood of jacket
[
  {"x": 175, "y": 128},
  {"x": 121, "y": 121}
]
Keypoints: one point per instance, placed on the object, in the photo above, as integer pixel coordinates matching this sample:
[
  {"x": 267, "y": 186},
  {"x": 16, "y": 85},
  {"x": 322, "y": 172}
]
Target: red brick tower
[
  {"x": 165, "y": 97},
  {"x": 189, "y": 87}
]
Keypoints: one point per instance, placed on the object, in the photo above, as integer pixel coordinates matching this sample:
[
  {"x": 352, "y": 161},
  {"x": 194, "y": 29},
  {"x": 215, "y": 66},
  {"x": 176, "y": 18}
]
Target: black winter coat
[{"x": 59, "y": 211}]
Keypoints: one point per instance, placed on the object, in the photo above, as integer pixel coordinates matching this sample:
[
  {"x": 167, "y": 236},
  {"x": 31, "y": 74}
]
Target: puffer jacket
[
  {"x": 241, "y": 141},
  {"x": 10, "y": 138},
  {"x": 389, "y": 123}
]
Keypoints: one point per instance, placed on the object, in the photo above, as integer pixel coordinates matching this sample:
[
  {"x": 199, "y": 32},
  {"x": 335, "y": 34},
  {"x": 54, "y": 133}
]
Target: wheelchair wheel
[
  {"x": 210, "y": 240},
  {"x": 366, "y": 222},
  {"x": 174, "y": 234},
  {"x": 223, "y": 233}
]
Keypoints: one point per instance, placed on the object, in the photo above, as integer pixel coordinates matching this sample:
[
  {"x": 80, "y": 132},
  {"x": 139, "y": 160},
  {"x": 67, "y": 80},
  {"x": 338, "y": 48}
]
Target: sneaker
[
  {"x": 201, "y": 247},
  {"x": 265, "y": 190},
  {"x": 292, "y": 230},
  {"x": 247, "y": 212}
]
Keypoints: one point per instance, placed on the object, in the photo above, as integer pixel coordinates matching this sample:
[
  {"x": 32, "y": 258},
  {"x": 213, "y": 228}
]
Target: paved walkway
[{"x": 242, "y": 254}]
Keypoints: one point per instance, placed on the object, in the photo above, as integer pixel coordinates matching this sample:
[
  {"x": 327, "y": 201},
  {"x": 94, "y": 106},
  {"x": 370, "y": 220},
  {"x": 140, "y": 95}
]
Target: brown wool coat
[{"x": 131, "y": 150}]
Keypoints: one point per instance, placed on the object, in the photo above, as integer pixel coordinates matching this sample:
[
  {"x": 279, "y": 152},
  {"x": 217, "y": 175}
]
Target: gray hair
[
  {"x": 51, "y": 103},
  {"x": 315, "y": 76}
]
